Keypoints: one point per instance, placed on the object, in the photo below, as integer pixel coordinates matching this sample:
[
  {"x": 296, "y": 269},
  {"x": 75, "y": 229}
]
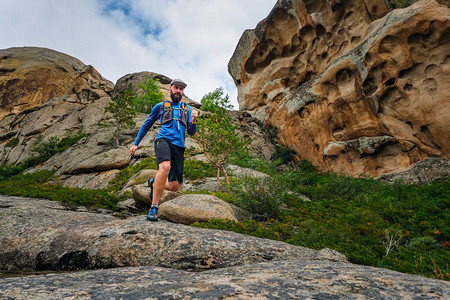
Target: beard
[{"x": 175, "y": 97}]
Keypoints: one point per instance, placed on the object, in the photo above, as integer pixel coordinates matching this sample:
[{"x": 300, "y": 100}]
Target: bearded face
[{"x": 175, "y": 97}]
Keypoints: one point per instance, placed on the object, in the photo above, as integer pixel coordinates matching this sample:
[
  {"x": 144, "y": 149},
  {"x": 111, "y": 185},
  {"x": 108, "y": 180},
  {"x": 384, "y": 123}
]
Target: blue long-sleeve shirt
[{"x": 173, "y": 131}]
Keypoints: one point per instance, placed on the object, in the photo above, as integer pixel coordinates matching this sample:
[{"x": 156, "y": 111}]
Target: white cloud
[{"x": 189, "y": 39}]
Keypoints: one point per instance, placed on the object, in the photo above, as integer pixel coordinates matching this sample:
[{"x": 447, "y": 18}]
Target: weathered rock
[
  {"x": 90, "y": 181},
  {"x": 245, "y": 172},
  {"x": 44, "y": 235},
  {"x": 422, "y": 172},
  {"x": 332, "y": 77},
  {"x": 30, "y": 76},
  {"x": 55, "y": 118},
  {"x": 136, "y": 79},
  {"x": 288, "y": 279},
  {"x": 188, "y": 209},
  {"x": 141, "y": 195},
  {"x": 142, "y": 176},
  {"x": 252, "y": 128},
  {"x": 204, "y": 184}
]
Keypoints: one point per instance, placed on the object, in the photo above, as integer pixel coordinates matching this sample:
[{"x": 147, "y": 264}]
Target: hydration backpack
[{"x": 167, "y": 113}]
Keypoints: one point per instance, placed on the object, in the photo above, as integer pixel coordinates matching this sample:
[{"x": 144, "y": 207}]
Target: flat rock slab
[
  {"x": 37, "y": 234},
  {"x": 295, "y": 279}
]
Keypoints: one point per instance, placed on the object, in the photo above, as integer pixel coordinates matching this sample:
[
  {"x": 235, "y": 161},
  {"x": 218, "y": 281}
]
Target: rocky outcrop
[
  {"x": 423, "y": 172},
  {"x": 30, "y": 76},
  {"x": 50, "y": 94},
  {"x": 38, "y": 234},
  {"x": 136, "y": 79},
  {"x": 350, "y": 87},
  {"x": 287, "y": 279}
]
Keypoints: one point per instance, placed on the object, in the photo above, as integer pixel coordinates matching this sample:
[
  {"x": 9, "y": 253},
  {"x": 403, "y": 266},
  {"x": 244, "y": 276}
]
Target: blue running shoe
[
  {"x": 153, "y": 214},
  {"x": 150, "y": 184}
]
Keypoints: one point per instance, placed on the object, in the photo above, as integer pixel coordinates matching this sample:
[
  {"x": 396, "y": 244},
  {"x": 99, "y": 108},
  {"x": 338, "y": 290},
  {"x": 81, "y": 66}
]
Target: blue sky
[{"x": 188, "y": 39}]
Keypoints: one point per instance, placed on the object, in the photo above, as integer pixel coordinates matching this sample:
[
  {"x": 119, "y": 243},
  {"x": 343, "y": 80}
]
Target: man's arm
[{"x": 145, "y": 127}]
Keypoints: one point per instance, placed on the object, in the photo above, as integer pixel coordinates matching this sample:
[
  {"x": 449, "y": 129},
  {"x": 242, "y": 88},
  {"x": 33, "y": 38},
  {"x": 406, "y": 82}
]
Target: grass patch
[{"x": 35, "y": 185}]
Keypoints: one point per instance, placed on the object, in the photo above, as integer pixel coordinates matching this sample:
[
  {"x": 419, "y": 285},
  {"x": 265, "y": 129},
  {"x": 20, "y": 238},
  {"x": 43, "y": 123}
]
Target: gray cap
[{"x": 179, "y": 82}]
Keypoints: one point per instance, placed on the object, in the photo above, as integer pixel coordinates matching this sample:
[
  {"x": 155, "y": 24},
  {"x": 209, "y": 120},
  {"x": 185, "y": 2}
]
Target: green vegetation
[
  {"x": 36, "y": 185},
  {"x": 404, "y": 3},
  {"x": 196, "y": 169},
  {"x": 215, "y": 102},
  {"x": 151, "y": 95},
  {"x": 125, "y": 174},
  {"x": 121, "y": 112},
  {"x": 12, "y": 143},
  {"x": 44, "y": 150},
  {"x": 399, "y": 227},
  {"x": 216, "y": 135}
]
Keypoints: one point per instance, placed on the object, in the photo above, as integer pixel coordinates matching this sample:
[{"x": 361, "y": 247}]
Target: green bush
[
  {"x": 46, "y": 148},
  {"x": 424, "y": 243},
  {"x": 195, "y": 169},
  {"x": 261, "y": 197}
]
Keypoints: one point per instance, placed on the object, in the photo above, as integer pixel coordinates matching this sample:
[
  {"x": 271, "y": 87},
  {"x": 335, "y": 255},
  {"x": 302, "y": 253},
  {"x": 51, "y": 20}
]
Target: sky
[{"x": 188, "y": 39}]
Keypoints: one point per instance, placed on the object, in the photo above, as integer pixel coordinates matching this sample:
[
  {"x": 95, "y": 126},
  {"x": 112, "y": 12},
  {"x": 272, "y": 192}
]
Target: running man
[{"x": 176, "y": 117}]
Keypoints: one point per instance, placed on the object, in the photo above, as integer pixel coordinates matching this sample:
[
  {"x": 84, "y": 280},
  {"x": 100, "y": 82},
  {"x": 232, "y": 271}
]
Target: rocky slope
[
  {"x": 74, "y": 102},
  {"x": 144, "y": 259},
  {"x": 351, "y": 87},
  {"x": 54, "y": 236},
  {"x": 290, "y": 279}
]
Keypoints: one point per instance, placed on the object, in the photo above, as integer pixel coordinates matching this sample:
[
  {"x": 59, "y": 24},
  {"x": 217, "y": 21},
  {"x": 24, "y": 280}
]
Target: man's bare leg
[
  {"x": 160, "y": 181},
  {"x": 173, "y": 186}
]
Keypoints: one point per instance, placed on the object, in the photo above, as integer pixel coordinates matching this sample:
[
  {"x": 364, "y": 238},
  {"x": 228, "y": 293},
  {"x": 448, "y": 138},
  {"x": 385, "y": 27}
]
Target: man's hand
[
  {"x": 133, "y": 150},
  {"x": 194, "y": 115}
]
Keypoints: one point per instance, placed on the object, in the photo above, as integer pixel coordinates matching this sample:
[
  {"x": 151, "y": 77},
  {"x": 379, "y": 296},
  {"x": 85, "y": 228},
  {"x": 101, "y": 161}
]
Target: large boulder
[
  {"x": 30, "y": 76},
  {"x": 188, "y": 209},
  {"x": 350, "y": 87}
]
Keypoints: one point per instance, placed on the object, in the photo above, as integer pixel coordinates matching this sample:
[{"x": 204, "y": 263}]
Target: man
[{"x": 176, "y": 117}]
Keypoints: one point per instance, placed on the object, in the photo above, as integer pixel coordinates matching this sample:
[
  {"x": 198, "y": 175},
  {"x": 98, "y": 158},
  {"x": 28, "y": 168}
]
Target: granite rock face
[
  {"x": 38, "y": 234},
  {"x": 423, "y": 172},
  {"x": 30, "y": 76},
  {"x": 287, "y": 279},
  {"x": 350, "y": 86},
  {"x": 140, "y": 259}
]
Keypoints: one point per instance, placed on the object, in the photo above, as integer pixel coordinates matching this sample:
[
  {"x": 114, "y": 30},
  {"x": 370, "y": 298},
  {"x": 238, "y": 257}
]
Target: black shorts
[{"x": 164, "y": 151}]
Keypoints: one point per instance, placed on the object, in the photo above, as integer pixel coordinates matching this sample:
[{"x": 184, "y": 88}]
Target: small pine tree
[
  {"x": 215, "y": 102},
  {"x": 151, "y": 95},
  {"x": 121, "y": 112},
  {"x": 216, "y": 135}
]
